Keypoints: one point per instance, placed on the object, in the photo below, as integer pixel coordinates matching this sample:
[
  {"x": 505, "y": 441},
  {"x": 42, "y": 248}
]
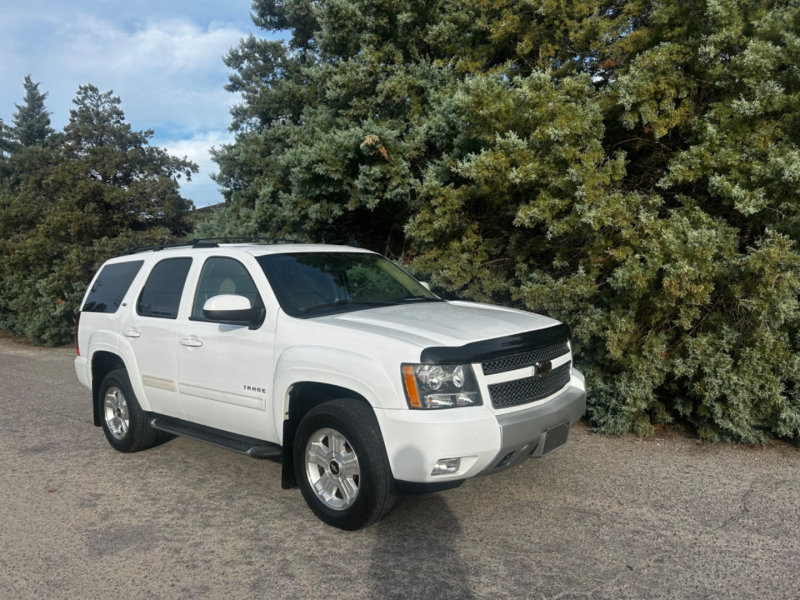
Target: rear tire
[
  {"x": 124, "y": 422},
  {"x": 341, "y": 465}
]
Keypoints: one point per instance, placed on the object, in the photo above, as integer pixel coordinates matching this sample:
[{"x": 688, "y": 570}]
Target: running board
[{"x": 224, "y": 439}]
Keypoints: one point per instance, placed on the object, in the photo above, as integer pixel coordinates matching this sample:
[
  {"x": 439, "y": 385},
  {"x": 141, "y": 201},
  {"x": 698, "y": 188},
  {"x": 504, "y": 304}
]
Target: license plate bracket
[{"x": 556, "y": 437}]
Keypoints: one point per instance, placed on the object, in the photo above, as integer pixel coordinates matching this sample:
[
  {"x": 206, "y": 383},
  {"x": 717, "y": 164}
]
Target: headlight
[{"x": 441, "y": 386}]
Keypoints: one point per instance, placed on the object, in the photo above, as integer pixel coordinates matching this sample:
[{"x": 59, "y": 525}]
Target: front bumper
[
  {"x": 485, "y": 440},
  {"x": 524, "y": 432}
]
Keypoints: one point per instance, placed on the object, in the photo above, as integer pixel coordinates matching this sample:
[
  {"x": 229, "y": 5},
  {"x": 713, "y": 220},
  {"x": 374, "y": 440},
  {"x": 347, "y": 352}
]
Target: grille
[
  {"x": 530, "y": 389},
  {"x": 524, "y": 359}
]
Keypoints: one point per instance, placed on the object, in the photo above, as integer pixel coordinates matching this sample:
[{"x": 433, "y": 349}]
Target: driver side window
[{"x": 222, "y": 275}]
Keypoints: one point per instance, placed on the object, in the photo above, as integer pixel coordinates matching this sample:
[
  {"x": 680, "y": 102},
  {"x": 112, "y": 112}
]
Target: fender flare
[
  {"x": 104, "y": 341},
  {"x": 125, "y": 352},
  {"x": 107, "y": 341},
  {"x": 341, "y": 368}
]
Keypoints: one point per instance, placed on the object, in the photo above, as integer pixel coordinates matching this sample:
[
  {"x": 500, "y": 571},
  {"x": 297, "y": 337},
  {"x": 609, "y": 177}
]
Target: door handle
[
  {"x": 191, "y": 342},
  {"x": 131, "y": 333}
]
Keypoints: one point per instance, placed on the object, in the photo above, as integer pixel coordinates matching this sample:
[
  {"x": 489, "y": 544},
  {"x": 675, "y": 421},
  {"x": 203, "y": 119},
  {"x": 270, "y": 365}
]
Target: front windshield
[{"x": 310, "y": 284}]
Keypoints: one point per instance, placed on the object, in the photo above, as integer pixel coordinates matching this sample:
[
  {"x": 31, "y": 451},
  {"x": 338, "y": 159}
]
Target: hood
[{"x": 440, "y": 323}]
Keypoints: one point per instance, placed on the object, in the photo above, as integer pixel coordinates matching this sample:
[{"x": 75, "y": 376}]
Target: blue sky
[{"x": 164, "y": 60}]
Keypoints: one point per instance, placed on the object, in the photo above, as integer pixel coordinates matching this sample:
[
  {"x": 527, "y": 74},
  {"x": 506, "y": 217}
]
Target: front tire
[
  {"x": 341, "y": 465},
  {"x": 124, "y": 422}
]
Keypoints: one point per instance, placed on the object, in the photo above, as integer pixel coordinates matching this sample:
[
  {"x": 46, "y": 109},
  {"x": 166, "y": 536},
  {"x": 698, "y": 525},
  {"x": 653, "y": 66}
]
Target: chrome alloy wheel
[
  {"x": 116, "y": 412},
  {"x": 332, "y": 468}
]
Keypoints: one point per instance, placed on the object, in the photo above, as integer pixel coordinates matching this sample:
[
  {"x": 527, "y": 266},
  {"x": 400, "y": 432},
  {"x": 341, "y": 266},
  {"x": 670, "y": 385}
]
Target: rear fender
[{"x": 125, "y": 351}]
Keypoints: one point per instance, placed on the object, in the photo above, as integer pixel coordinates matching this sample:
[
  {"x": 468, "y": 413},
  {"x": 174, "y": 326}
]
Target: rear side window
[
  {"x": 222, "y": 275},
  {"x": 161, "y": 295},
  {"x": 111, "y": 286}
]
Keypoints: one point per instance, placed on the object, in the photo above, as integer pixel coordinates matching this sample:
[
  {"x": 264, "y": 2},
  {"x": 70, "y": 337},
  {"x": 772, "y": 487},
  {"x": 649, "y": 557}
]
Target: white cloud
[
  {"x": 175, "y": 46},
  {"x": 202, "y": 190},
  {"x": 168, "y": 72}
]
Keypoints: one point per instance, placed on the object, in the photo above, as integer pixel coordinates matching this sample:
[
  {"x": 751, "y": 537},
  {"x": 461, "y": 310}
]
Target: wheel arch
[
  {"x": 102, "y": 363},
  {"x": 302, "y": 397},
  {"x": 308, "y": 375}
]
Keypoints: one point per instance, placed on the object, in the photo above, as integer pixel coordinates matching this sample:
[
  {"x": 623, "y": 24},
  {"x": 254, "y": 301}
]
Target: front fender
[{"x": 342, "y": 368}]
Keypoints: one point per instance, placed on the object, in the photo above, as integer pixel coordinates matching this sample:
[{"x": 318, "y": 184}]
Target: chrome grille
[
  {"x": 524, "y": 359},
  {"x": 529, "y": 389}
]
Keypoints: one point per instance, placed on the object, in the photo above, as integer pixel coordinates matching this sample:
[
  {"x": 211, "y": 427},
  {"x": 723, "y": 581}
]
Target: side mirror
[
  {"x": 232, "y": 310},
  {"x": 426, "y": 285}
]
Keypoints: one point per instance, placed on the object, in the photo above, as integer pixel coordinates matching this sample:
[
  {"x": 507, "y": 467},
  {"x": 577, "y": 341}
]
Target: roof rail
[
  {"x": 246, "y": 239},
  {"x": 210, "y": 243}
]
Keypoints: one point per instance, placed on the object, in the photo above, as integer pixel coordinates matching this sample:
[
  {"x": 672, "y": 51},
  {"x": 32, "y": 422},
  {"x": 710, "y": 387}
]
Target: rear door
[
  {"x": 151, "y": 329},
  {"x": 225, "y": 371}
]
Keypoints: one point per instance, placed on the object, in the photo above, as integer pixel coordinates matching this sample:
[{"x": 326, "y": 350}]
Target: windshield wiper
[{"x": 346, "y": 303}]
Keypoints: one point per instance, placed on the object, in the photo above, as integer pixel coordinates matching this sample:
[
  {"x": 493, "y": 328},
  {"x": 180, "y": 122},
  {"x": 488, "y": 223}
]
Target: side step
[{"x": 231, "y": 441}]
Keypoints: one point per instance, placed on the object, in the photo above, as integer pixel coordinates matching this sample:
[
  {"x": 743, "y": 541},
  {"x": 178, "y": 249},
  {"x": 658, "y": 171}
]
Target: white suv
[{"x": 331, "y": 358}]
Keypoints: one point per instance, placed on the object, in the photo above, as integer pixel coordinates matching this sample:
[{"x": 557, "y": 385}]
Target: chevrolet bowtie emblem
[{"x": 542, "y": 368}]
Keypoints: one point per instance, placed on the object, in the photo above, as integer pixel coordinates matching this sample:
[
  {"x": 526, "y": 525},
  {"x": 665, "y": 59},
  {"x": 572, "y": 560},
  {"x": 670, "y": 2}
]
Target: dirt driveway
[{"x": 603, "y": 518}]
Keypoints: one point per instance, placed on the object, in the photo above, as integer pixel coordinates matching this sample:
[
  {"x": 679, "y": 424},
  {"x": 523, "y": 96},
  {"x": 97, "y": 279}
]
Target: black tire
[
  {"x": 356, "y": 421},
  {"x": 139, "y": 435}
]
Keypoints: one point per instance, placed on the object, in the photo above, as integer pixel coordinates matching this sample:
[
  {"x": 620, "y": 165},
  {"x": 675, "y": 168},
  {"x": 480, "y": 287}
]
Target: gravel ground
[{"x": 605, "y": 517}]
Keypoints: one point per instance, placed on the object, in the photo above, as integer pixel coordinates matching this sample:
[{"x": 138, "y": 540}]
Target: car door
[
  {"x": 151, "y": 329},
  {"x": 225, "y": 371}
]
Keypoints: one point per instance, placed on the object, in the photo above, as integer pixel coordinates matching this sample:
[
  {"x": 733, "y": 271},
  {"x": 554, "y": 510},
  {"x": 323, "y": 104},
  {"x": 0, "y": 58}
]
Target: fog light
[{"x": 445, "y": 466}]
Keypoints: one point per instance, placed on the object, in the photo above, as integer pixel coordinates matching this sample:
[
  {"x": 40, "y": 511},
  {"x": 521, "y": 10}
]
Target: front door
[{"x": 225, "y": 371}]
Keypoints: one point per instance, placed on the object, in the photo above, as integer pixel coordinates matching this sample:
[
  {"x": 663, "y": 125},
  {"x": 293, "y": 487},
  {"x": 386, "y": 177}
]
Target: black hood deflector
[{"x": 496, "y": 347}]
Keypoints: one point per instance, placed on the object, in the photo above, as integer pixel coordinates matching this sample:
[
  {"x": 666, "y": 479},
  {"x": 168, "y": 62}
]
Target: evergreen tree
[
  {"x": 72, "y": 202},
  {"x": 5, "y": 140},
  {"x": 629, "y": 168},
  {"x": 31, "y": 119}
]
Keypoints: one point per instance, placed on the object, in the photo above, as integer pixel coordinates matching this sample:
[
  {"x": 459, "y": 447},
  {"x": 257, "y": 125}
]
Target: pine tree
[
  {"x": 5, "y": 140},
  {"x": 75, "y": 200},
  {"x": 31, "y": 119}
]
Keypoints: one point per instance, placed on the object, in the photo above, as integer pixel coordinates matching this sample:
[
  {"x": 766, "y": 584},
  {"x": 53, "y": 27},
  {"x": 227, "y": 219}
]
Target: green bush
[{"x": 631, "y": 169}]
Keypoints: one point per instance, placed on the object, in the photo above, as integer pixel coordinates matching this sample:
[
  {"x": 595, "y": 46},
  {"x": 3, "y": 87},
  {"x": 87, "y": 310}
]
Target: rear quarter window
[{"x": 110, "y": 287}]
